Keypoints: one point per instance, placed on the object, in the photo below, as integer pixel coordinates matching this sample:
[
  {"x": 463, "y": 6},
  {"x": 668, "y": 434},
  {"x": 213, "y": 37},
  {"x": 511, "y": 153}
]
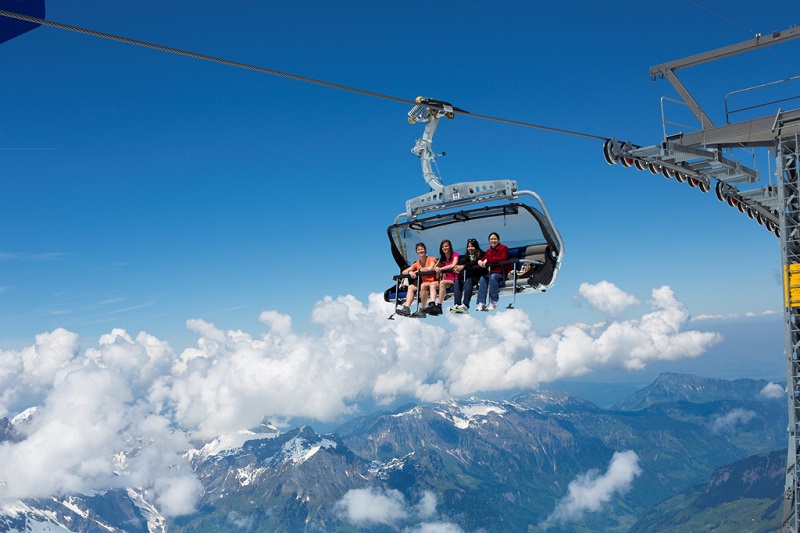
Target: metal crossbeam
[
  {"x": 760, "y": 41},
  {"x": 668, "y": 69}
]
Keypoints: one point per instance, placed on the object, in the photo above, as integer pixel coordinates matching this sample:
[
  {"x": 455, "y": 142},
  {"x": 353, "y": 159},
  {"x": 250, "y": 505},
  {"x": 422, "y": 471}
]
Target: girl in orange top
[{"x": 423, "y": 264}]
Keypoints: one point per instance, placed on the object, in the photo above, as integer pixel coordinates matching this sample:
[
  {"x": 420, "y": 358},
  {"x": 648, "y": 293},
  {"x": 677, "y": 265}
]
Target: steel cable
[{"x": 273, "y": 72}]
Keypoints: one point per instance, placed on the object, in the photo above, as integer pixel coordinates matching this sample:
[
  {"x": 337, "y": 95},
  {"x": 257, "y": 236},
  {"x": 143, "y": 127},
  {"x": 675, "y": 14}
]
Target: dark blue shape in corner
[{"x": 9, "y": 27}]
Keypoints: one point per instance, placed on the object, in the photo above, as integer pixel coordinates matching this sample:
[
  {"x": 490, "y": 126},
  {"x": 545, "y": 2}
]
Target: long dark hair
[{"x": 442, "y": 256}]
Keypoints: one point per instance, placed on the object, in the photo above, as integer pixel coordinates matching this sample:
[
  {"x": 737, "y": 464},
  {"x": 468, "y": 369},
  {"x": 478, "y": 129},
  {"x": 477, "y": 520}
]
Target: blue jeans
[
  {"x": 462, "y": 291},
  {"x": 493, "y": 282}
]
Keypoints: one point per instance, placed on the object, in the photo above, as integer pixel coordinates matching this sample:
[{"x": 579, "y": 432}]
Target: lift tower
[{"x": 701, "y": 159}]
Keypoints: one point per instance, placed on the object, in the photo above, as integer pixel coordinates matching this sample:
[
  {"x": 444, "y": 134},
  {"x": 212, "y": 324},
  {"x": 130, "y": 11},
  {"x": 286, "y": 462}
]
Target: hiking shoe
[
  {"x": 481, "y": 307},
  {"x": 492, "y": 306},
  {"x": 419, "y": 314},
  {"x": 403, "y": 311},
  {"x": 435, "y": 310}
]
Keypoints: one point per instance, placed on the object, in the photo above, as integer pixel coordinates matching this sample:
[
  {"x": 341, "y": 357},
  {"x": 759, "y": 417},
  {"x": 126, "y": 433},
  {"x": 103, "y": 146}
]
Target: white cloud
[
  {"x": 284, "y": 373},
  {"x": 178, "y": 495},
  {"x": 606, "y": 297},
  {"x": 427, "y": 504},
  {"x": 734, "y": 316},
  {"x": 240, "y": 522},
  {"x": 365, "y": 507},
  {"x": 589, "y": 491},
  {"x": 731, "y": 419},
  {"x": 373, "y": 506},
  {"x": 434, "y": 527},
  {"x": 93, "y": 403},
  {"x": 91, "y": 431},
  {"x": 507, "y": 353},
  {"x": 772, "y": 391}
]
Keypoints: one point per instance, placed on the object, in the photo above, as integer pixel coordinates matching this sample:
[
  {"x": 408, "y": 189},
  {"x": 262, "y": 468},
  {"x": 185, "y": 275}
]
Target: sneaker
[
  {"x": 437, "y": 310},
  {"x": 481, "y": 307},
  {"x": 430, "y": 307},
  {"x": 403, "y": 311},
  {"x": 464, "y": 309},
  {"x": 492, "y": 306},
  {"x": 456, "y": 309},
  {"x": 419, "y": 314}
]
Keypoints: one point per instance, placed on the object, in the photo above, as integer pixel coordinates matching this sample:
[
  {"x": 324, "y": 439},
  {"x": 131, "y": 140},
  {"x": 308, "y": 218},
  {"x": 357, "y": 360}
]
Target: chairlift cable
[
  {"x": 779, "y": 59},
  {"x": 273, "y": 72},
  {"x": 726, "y": 19},
  {"x": 195, "y": 55},
  {"x": 535, "y": 126}
]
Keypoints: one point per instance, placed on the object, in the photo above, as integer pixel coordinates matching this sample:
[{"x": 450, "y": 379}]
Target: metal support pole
[{"x": 789, "y": 197}]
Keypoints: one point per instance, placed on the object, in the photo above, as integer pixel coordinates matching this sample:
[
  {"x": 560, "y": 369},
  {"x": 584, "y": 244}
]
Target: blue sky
[{"x": 144, "y": 189}]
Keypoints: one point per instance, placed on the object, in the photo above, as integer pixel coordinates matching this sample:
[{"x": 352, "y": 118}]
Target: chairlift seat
[{"x": 534, "y": 245}]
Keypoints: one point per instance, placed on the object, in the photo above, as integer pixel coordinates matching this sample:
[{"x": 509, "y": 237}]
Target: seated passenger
[
  {"x": 424, "y": 263},
  {"x": 496, "y": 276},
  {"x": 444, "y": 268},
  {"x": 467, "y": 272}
]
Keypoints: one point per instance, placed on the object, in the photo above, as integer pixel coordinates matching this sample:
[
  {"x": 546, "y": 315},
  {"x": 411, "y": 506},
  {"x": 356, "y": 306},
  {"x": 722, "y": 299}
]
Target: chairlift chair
[{"x": 466, "y": 210}]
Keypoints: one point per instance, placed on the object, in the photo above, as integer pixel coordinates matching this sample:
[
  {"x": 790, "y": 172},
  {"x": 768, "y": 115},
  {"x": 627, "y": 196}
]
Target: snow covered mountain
[{"x": 474, "y": 464}]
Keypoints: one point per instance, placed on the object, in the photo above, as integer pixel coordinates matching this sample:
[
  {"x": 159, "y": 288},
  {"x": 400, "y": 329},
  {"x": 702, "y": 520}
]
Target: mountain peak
[
  {"x": 673, "y": 387},
  {"x": 464, "y": 413},
  {"x": 547, "y": 401}
]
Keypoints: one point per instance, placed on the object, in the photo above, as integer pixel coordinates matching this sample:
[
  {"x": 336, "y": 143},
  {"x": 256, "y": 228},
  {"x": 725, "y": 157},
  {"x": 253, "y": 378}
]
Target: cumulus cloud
[
  {"x": 370, "y": 506},
  {"x": 373, "y": 506},
  {"x": 731, "y": 419},
  {"x": 606, "y": 297},
  {"x": 590, "y": 491},
  {"x": 285, "y": 373},
  {"x": 772, "y": 391},
  {"x": 427, "y": 505},
  {"x": 96, "y": 407},
  {"x": 91, "y": 431},
  {"x": 178, "y": 495}
]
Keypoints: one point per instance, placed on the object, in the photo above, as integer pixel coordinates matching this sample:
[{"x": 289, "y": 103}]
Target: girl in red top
[
  {"x": 423, "y": 264},
  {"x": 497, "y": 253},
  {"x": 448, "y": 259}
]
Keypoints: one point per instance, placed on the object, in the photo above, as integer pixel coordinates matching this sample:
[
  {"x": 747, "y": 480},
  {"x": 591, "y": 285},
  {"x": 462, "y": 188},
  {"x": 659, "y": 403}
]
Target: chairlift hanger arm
[{"x": 429, "y": 110}]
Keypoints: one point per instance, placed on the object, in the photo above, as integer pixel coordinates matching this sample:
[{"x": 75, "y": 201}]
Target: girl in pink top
[{"x": 448, "y": 259}]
